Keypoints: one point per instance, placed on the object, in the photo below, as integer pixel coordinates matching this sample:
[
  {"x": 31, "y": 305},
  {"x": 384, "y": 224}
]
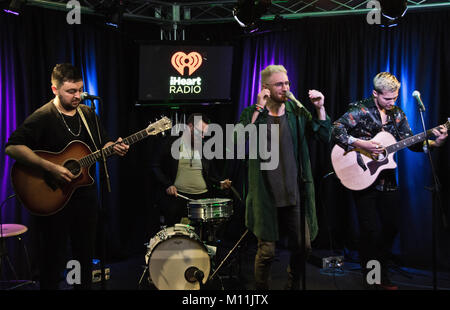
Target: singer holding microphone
[
  {"x": 377, "y": 206},
  {"x": 51, "y": 128},
  {"x": 274, "y": 196}
]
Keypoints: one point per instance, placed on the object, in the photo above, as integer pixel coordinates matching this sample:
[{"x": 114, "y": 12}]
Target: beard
[
  {"x": 276, "y": 101},
  {"x": 68, "y": 105}
]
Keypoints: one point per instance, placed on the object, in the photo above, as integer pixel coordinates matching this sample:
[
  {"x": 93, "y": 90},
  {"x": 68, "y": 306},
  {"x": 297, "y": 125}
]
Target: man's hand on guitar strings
[
  {"x": 120, "y": 148},
  {"x": 61, "y": 174},
  {"x": 441, "y": 135},
  {"x": 372, "y": 147}
]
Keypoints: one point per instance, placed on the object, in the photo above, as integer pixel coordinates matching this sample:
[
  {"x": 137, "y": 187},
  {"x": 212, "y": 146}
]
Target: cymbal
[{"x": 10, "y": 230}]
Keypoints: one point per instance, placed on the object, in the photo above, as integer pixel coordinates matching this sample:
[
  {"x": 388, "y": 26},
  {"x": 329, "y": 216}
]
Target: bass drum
[{"x": 173, "y": 254}]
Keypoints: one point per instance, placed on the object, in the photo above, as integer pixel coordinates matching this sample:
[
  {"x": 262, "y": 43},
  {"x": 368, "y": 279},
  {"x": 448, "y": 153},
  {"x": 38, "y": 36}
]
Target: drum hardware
[
  {"x": 177, "y": 259},
  {"x": 210, "y": 209},
  {"x": 207, "y": 232},
  {"x": 208, "y": 214},
  {"x": 177, "y": 276},
  {"x": 228, "y": 255},
  {"x": 143, "y": 275}
]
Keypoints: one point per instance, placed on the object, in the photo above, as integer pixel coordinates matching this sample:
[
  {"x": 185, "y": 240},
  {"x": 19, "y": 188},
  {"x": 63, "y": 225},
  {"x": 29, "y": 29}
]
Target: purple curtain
[
  {"x": 7, "y": 116},
  {"x": 258, "y": 53}
]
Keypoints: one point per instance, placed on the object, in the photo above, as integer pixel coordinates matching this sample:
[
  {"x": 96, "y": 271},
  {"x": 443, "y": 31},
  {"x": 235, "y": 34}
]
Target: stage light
[
  {"x": 248, "y": 12},
  {"x": 14, "y": 7},
  {"x": 393, "y": 9},
  {"x": 114, "y": 19},
  {"x": 113, "y": 11}
]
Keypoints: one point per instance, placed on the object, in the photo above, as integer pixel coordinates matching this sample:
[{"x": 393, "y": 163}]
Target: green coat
[{"x": 261, "y": 215}]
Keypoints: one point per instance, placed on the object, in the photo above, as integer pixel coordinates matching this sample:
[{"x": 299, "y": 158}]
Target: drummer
[{"x": 188, "y": 175}]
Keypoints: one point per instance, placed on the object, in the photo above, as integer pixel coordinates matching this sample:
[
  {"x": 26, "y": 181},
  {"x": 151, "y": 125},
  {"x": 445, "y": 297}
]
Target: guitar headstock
[{"x": 159, "y": 126}]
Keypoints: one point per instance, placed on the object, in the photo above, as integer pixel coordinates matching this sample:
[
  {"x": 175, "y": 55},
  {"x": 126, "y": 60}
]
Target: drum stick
[
  {"x": 235, "y": 192},
  {"x": 184, "y": 197}
]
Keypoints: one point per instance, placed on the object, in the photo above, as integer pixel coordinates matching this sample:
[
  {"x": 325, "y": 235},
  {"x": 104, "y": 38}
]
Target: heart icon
[{"x": 180, "y": 60}]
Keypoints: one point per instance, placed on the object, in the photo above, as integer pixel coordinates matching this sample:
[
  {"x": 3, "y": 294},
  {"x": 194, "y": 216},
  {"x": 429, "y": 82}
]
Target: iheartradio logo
[{"x": 192, "y": 61}]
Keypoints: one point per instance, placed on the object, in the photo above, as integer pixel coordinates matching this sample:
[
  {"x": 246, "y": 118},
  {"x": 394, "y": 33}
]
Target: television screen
[{"x": 184, "y": 73}]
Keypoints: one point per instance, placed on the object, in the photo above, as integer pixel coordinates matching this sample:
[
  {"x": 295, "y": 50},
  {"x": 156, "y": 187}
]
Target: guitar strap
[{"x": 87, "y": 126}]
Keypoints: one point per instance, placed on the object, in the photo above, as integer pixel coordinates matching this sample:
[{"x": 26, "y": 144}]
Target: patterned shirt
[{"x": 363, "y": 121}]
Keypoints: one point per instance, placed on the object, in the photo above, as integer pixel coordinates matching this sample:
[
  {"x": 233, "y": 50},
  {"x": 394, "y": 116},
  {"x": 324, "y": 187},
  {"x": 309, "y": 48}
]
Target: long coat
[{"x": 260, "y": 214}]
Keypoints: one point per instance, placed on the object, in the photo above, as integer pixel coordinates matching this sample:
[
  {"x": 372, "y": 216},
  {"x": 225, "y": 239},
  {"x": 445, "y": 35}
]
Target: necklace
[{"x": 68, "y": 128}]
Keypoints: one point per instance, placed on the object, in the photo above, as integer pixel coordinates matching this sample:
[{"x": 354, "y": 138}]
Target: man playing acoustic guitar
[
  {"x": 51, "y": 128},
  {"x": 376, "y": 203}
]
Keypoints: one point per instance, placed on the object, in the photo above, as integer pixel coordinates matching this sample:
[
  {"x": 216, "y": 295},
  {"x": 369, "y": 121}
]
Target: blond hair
[
  {"x": 269, "y": 70},
  {"x": 385, "y": 81}
]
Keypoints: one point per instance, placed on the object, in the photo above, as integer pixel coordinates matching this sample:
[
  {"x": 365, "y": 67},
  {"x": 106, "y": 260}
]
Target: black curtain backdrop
[
  {"x": 338, "y": 56},
  {"x": 40, "y": 38}
]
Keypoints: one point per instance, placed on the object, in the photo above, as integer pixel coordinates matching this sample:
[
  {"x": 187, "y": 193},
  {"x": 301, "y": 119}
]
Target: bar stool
[{"x": 7, "y": 231}]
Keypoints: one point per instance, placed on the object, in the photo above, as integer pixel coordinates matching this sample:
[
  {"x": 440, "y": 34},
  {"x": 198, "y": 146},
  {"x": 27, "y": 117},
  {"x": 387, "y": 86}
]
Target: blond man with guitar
[{"x": 366, "y": 137}]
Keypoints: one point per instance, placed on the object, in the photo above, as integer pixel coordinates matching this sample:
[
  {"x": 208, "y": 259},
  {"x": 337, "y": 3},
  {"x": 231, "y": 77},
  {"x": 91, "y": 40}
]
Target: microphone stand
[
  {"x": 102, "y": 208},
  {"x": 300, "y": 184},
  {"x": 436, "y": 199}
]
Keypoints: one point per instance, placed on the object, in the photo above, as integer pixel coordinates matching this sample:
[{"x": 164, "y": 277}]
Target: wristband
[{"x": 259, "y": 108}]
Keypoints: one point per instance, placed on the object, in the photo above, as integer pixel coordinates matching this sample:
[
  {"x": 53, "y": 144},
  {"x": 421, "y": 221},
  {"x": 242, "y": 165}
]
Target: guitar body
[
  {"x": 359, "y": 173},
  {"x": 40, "y": 193},
  {"x": 36, "y": 190}
]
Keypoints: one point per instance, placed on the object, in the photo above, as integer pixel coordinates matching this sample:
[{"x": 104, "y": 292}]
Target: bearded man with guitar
[
  {"x": 51, "y": 128},
  {"x": 366, "y": 137}
]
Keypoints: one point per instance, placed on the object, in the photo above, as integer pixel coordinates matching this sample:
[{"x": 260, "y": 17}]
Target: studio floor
[{"x": 236, "y": 274}]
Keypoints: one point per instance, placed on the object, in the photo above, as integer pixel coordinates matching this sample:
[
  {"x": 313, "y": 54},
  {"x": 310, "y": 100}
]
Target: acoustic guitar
[
  {"x": 357, "y": 169},
  {"x": 42, "y": 195}
]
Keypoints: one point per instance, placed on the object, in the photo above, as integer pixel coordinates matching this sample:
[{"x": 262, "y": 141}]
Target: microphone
[
  {"x": 292, "y": 98},
  {"x": 193, "y": 274},
  {"x": 416, "y": 95},
  {"x": 85, "y": 95}
]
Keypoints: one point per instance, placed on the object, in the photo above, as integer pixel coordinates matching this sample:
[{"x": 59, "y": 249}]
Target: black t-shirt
[
  {"x": 283, "y": 180},
  {"x": 45, "y": 130}
]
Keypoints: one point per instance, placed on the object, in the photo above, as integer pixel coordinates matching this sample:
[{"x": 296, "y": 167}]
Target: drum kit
[{"x": 179, "y": 257}]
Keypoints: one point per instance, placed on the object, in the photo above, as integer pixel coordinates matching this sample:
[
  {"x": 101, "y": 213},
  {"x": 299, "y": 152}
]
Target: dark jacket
[{"x": 261, "y": 215}]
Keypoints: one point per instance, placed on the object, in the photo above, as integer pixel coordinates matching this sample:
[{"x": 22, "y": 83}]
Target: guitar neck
[
  {"x": 410, "y": 141},
  {"x": 90, "y": 159}
]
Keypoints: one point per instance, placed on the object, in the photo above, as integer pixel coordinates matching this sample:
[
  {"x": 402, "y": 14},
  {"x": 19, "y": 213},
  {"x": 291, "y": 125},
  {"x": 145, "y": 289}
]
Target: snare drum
[
  {"x": 210, "y": 209},
  {"x": 171, "y": 253}
]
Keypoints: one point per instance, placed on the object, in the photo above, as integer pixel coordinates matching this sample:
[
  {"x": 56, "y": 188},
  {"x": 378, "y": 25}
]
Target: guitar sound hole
[{"x": 73, "y": 166}]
